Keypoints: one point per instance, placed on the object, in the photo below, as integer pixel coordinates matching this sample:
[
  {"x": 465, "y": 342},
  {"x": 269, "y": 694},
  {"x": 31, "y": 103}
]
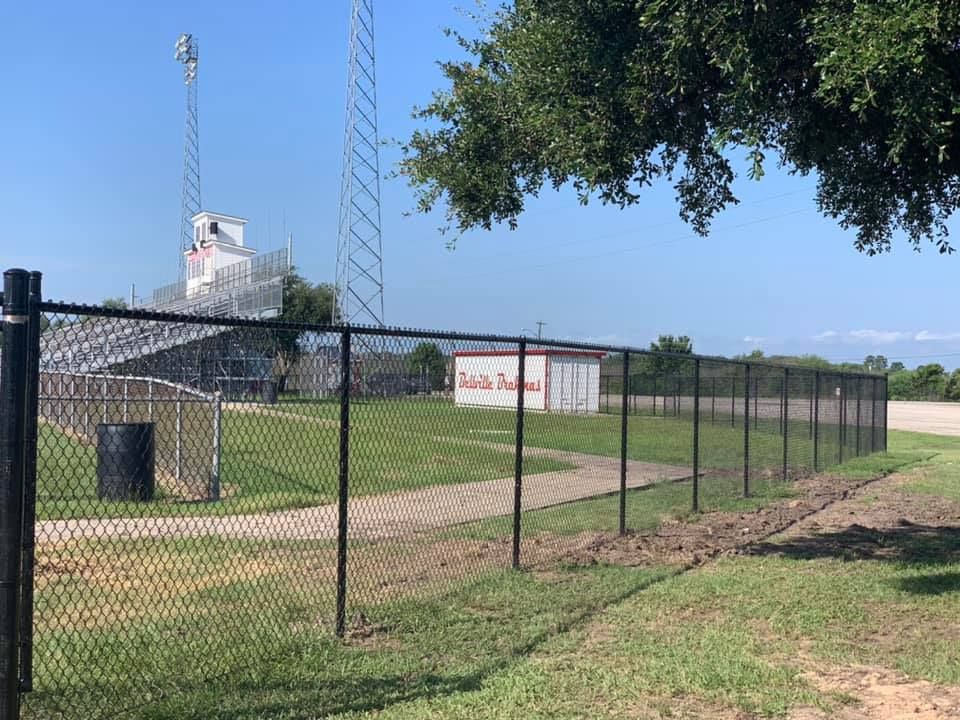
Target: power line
[
  {"x": 636, "y": 248},
  {"x": 646, "y": 228}
]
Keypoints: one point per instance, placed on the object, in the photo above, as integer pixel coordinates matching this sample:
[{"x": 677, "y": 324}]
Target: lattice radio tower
[
  {"x": 187, "y": 53},
  {"x": 359, "y": 258}
]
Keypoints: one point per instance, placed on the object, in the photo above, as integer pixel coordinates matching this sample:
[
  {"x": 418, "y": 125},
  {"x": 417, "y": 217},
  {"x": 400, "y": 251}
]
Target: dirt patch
[
  {"x": 879, "y": 521},
  {"x": 273, "y": 412},
  {"x": 689, "y": 543},
  {"x": 879, "y": 694}
]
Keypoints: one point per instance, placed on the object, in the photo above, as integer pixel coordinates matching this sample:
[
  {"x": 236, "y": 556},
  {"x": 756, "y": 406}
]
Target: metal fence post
[
  {"x": 746, "y": 431},
  {"x": 810, "y": 410},
  {"x": 859, "y": 394},
  {"x": 733, "y": 402},
  {"x": 179, "y": 433},
  {"x": 654, "y": 395},
  {"x": 13, "y": 398},
  {"x": 29, "y": 512},
  {"x": 873, "y": 415},
  {"x": 105, "y": 397},
  {"x": 816, "y": 421},
  {"x": 126, "y": 400},
  {"x": 150, "y": 399},
  {"x": 840, "y": 414},
  {"x": 676, "y": 395},
  {"x": 756, "y": 403},
  {"x": 344, "y": 483},
  {"x": 86, "y": 404},
  {"x": 713, "y": 400},
  {"x": 214, "y": 492},
  {"x": 786, "y": 417},
  {"x": 886, "y": 403},
  {"x": 696, "y": 436},
  {"x": 623, "y": 446},
  {"x": 518, "y": 457}
]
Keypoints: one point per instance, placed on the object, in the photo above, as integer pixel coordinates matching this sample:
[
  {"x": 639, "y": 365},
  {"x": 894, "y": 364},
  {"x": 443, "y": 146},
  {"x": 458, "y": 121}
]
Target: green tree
[
  {"x": 611, "y": 96},
  {"x": 929, "y": 382},
  {"x": 114, "y": 303},
  {"x": 303, "y": 302},
  {"x": 952, "y": 390},
  {"x": 677, "y": 345},
  {"x": 900, "y": 385},
  {"x": 427, "y": 358},
  {"x": 897, "y": 367},
  {"x": 875, "y": 363}
]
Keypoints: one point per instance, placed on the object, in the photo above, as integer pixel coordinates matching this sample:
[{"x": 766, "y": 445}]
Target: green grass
[
  {"x": 647, "y": 508},
  {"x": 290, "y": 458},
  {"x": 274, "y": 463},
  {"x": 433, "y": 646},
  {"x": 207, "y": 628}
]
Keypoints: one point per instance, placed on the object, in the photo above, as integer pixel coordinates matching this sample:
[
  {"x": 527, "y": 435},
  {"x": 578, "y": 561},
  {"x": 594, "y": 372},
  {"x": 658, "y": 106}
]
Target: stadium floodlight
[{"x": 186, "y": 54}]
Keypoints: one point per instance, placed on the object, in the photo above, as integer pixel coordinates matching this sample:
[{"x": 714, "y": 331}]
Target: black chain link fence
[{"x": 210, "y": 493}]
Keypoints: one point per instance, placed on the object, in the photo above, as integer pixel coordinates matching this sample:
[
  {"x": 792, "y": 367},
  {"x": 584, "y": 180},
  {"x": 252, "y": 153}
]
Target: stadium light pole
[{"x": 187, "y": 53}]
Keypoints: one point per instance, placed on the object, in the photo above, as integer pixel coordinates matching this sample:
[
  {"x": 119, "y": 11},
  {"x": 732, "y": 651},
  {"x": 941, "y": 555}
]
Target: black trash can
[
  {"x": 125, "y": 461},
  {"x": 268, "y": 391}
]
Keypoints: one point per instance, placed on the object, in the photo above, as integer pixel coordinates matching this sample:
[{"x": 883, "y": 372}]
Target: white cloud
[
  {"x": 864, "y": 337},
  {"x": 753, "y": 340},
  {"x": 927, "y": 336},
  {"x": 879, "y": 337}
]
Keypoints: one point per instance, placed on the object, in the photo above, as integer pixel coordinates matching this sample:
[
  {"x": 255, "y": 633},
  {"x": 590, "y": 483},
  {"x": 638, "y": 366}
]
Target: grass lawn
[
  {"x": 289, "y": 457},
  {"x": 206, "y": 628}
]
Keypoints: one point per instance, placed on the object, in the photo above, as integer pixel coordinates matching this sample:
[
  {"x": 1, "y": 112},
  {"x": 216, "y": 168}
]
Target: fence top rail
[
  {"x": 185, "y": 389},
  {"x": 234, "y": 322}
]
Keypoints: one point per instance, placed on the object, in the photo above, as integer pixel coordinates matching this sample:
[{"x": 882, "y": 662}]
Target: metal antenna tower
[
  {"x": 359, "y": 258},
  {"x": 187, "y": 53}
]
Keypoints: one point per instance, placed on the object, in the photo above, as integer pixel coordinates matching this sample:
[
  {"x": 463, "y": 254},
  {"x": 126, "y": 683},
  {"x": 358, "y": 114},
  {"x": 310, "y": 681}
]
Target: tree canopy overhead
[{"x": 613, "y": 95}]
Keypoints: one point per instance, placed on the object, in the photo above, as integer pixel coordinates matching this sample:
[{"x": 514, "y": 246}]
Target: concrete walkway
[
  {"x": 388, "y": 515},
  {"x": 940, "y": 418}
]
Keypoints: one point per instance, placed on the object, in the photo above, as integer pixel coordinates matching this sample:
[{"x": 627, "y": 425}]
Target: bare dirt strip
[
  {"x": 929, "y": 417},
  {"x": 391, "y": 514}
]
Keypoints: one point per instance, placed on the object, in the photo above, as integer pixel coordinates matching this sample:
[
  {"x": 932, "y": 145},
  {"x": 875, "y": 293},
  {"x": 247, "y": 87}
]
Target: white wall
[
  {"x": 491, "y": 381},
  {"x": 573, "y": 382}
]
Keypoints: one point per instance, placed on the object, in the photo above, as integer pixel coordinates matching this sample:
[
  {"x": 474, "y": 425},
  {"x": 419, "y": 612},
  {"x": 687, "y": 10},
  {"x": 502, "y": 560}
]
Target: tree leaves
[{"x": 613, "y": 95}]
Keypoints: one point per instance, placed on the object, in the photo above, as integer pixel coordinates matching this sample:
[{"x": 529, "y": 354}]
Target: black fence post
[
  {"x": 342, "y": 493},
  {"x": 654, "y": 395},
  {"x": 623, "y": 446},
  {"x": 13, "y": 398},
  {"x": 746, "y": 431},
  {"x": 696, "y": 436},
  {"x": 713, "y": 401},
  {"x": 518, "y": 458},
  {"x": 733, "y": 401},
  {"x": 756, "y": 400},
  {"x": 886, "y": 403},
  {"x": 30, "y": 485},
  {"x": 843, "y": 391},
  {"x": 786, "y": 417},
  {"x": 810, "y": 409},
  {"x": 816, "y": 422},
  {"x": 859, "y": 395},
  {"x": 676, "y": 396},
  {"x": 873, "y": 415}
]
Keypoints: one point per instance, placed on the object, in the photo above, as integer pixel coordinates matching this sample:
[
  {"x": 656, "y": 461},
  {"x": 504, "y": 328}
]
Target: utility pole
[{"x": 540, "y": 324}]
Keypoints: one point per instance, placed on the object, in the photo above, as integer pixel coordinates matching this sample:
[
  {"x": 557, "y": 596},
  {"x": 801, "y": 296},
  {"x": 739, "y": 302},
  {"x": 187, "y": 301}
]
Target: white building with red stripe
[{"x": 554, "y": 380}]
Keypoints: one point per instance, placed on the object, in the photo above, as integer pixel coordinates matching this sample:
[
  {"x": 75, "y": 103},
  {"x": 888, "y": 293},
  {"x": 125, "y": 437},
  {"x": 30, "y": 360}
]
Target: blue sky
[{"x": 91, "y": 137}]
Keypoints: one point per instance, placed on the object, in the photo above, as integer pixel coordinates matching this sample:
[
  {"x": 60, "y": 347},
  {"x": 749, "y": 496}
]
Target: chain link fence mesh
[{"x": 300, "y": 480}]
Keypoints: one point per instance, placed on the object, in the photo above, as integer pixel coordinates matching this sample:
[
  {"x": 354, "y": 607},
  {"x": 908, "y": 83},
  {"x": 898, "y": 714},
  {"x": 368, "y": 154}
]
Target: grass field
[{"x": 147, "y": 624}]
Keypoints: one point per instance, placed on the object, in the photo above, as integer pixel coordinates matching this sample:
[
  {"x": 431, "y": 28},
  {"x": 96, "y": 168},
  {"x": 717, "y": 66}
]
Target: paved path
[
  {"x": 930, "y": 417},
  {"x": 391, "y": 514}
]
